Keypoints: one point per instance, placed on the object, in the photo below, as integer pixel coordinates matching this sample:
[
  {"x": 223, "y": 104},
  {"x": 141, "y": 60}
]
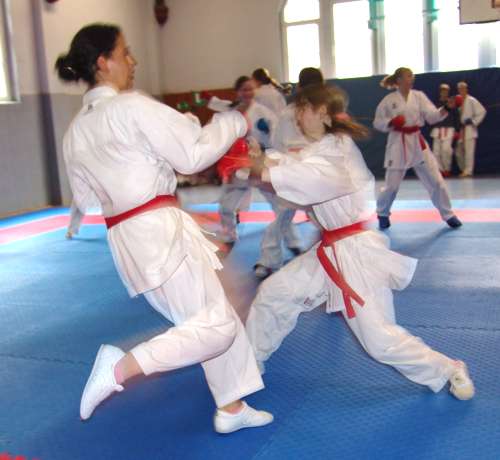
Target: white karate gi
[
  {"x": 442, "y": 139},
  {"x": 400, "y": 156},
  {"x": 270, "y": 97},
  {"x": 125, "y": 148},
  {"x": 332, "y": 176},
  {"x": 236, "y": 195},
  {"x": 287, "y": 138},
  {"x": 466, "y": 148}
]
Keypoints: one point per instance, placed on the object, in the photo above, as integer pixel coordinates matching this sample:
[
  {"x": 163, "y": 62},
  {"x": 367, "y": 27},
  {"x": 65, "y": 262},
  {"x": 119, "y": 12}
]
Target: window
[
  {"x": 7, "y": 90},
  {"x": 404, "y": 35},
  {"x": 352, "y": 39},
  {"x": 460, "y": 46},
  {"x": 301, "y": 35}
]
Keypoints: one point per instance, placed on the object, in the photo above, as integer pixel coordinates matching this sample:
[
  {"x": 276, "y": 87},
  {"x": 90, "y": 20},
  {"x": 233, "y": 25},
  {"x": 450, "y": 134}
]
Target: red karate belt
[
  {"x": 405, "y": 130},
  {"x": 328, "y": 238},
  {"x": 161, "y": 201}
]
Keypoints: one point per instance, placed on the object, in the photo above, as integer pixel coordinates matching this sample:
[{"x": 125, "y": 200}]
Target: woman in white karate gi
[
  {"x": 472, "y": 114},
  {"x": 236, "y": 194},
  {"x": 401, "y": 114},
  {"x": 287, "y": 138},
  {"x": 125, "y": 149},
  {"x": 351, "y": 269}
]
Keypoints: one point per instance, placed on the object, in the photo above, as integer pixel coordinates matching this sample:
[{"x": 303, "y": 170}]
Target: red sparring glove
[
  {"x": 237, "y": 157},
  {"x": 459, "y": 100},
  {"x": 398, "y": 121}
]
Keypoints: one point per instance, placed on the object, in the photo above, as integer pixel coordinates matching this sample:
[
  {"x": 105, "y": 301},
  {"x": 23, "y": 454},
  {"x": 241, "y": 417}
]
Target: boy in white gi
[
  {"x": 443, "y": 132},
  {"x": 125, "y": 148},
  {"x": 401, "y": 114},
  {"x": 472, "y": 114},
  {"x": 351, "y": 269}
]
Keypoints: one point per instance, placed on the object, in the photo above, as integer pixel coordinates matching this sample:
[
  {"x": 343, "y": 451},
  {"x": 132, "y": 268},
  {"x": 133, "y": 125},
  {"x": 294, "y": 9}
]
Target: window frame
[
  {"x": 284, "y": 42},
  {"x": 6, "y": 40}
]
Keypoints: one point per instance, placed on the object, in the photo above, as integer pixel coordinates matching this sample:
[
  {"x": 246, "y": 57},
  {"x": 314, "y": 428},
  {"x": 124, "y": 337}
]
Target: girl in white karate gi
[
  {"x": 351, "y": 269},
  {"x": 401, "y": 114},
  {"x": 236, "y": 195},
  {"x": 125, "y": 149},
  {"x": 287, "y": 138},
  {"x": 269, "y": 91},
  {"x": 472, "y": 114}
]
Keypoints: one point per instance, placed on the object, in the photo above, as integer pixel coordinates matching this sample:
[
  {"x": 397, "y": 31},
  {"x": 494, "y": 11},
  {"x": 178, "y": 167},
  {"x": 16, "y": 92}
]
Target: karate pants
[
  {"x": 465, "y": 153},
  {"x": 207, "y": 331},
  {"x": 75, "y": 219},
  {"x": 444, "y": 152},
  {"x": 236, "y": 196},
  {"x": 281, "y": 228},
  {"x": 429, "y": 175},
  {"x": 301, "y": 286}
]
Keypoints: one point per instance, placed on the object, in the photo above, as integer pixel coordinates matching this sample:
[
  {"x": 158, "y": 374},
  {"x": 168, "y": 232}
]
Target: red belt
[
  {"x": 328, "y": 238},
  {"x": 160, "y": 201},
  {"x": 404, "y": 130}
]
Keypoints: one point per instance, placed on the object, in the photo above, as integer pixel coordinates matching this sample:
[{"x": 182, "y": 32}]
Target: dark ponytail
[
  {"x": 264, "y": 78},
  {"x": 80, "y": 62}
]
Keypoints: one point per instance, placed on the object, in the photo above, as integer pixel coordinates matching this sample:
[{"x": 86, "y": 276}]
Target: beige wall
[
  {"x": 61, "y": 20},
  {"x": 209, "y": 43}
]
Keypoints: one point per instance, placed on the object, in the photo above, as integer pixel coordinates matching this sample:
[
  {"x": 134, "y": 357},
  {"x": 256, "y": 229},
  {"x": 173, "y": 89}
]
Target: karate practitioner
[
  {"x": 443, "y": 132},
  {"x": 125, "y": 148},
  {"x": 351, "y": 269},
  {"x": 401, "y": 114},
  {"x": 472, "y": 113},
  {"x": 288, "y": 139},
  {"x": 236, "y": 194},
  {"x": 269, "y": 91}
]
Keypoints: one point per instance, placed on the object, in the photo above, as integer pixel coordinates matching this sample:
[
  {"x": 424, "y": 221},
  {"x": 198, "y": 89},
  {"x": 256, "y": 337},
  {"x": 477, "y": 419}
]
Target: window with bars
[{"x": 421, "y": 34}]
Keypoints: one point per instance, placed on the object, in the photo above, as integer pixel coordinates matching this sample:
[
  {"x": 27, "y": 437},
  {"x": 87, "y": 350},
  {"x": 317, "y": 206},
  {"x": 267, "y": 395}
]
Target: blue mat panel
[{"x": 61, "y": 299}]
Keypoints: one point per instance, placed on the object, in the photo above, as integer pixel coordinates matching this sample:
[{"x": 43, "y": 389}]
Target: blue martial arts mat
[{"x": 59, "y": 300}]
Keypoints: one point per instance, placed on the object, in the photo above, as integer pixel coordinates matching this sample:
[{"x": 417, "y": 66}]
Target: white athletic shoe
[
  {"x": 461, "y": 385},
  {"x": 224, "y": 422},
  {"x": 262, "y": 272},
  {"x": 101, "y": 383}
]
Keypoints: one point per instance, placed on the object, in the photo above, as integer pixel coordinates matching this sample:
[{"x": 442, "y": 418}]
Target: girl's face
[
  {"x": 405, "y": 81},
  {"x": 119, "y": 68},
  {"x": 246, "y": 92},
  {"x": 311, "y": 121}
]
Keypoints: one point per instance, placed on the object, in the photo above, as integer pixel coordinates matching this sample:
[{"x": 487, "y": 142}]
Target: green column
[{"x": 376, "y": 24}]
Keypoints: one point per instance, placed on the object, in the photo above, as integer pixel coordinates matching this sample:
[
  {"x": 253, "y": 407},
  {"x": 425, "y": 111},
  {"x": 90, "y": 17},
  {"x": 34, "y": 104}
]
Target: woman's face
[
  {"x": 405, "y": 81},
  {"x": 311, "y": 121},
  {"x": 119, "y": 68},
  {"x": 246, "y": 92}
]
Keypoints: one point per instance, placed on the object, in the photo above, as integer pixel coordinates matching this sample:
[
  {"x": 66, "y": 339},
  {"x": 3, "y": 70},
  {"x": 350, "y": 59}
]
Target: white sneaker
[
  {"x": 224, "y": 422},
  {"x": 461, "y": 385},
  {"x": 101, "y": 383}
]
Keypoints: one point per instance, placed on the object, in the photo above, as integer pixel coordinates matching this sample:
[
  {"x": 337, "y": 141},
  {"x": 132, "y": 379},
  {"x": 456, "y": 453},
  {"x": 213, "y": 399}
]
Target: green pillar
[
  {"x": 376, "y": 24},
  {"x": 430, "y": 13}
]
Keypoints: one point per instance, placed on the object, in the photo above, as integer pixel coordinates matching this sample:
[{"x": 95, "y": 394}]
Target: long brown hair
[
  {"x": 335, "y": 101},
  {"x": 391, "y": 81}
]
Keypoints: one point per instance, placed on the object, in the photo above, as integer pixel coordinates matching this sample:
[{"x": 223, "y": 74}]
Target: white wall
[
  {"x": 209, "y": 43},
  {"x": 61, "y": 21}
]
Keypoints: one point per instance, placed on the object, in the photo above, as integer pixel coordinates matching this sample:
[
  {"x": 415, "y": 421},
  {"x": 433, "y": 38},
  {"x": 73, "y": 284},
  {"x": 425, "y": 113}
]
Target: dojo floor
[{"x": 59, "y": 300}]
